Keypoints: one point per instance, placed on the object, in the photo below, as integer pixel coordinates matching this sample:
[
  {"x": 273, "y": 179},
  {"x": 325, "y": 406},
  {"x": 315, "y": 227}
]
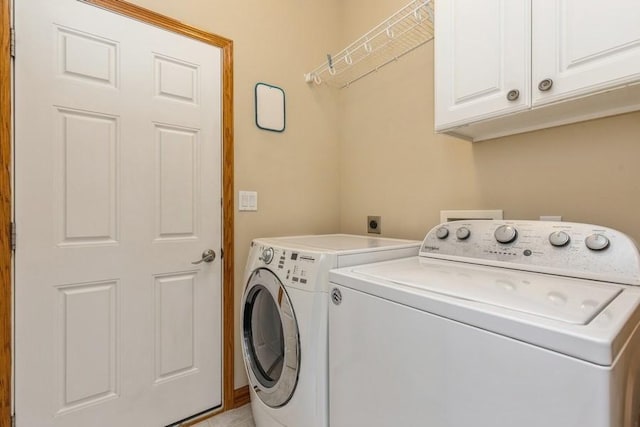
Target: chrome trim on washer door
[{"x": 270, "y": 339}]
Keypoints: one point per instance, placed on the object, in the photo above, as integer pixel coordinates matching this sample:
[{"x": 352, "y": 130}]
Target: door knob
[
  {"x": 545, "y": 85},
  {"x": 207, "y": 256}
]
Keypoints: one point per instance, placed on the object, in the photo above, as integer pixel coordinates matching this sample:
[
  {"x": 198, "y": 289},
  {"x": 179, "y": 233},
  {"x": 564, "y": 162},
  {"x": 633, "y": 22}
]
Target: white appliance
[
  {"x": 284, "y": 320},
  {"x": 494, "y": 324}
]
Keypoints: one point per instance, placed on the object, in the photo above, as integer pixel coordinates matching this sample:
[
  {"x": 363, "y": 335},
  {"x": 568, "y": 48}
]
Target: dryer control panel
[{"x": 562, "y": 248}]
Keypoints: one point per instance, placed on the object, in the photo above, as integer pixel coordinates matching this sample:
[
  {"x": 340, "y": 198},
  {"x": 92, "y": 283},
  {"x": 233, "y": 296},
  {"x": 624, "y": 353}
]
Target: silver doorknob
[
  {"x": 207, "y": 256},
  {"x": 513, "y": 95}
]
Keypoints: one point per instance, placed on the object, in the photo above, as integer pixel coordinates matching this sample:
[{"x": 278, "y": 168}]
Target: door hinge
[
  {"x": 221, "y": 253},
  {"x": 13, "y": 237},
  {"x": 12, "y": 42},
  {"x": 13, "y": 420}
]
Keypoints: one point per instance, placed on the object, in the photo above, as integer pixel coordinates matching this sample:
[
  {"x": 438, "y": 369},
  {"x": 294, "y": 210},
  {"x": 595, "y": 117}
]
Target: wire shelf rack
[{"x": 401, "y": 33}]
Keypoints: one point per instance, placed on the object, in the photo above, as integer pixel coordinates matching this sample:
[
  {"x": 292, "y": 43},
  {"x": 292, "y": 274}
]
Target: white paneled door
[{"x": 117, "y": 192}]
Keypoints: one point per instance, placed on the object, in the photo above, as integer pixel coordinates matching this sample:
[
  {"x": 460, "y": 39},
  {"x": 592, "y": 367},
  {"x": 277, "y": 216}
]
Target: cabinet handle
[
  {"x": 545, "y": 85},
  {"x": 513, "y": 95}
]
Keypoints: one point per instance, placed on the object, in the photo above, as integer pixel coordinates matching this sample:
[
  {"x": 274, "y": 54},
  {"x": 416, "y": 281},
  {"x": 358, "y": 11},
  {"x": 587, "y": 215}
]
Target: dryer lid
[
  {"x": 344, "y": 242},
  {"x": 568, "y": 300}
]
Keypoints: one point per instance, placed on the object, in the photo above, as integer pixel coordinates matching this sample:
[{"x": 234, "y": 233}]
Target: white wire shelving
[{"x": 401, "y": 33}]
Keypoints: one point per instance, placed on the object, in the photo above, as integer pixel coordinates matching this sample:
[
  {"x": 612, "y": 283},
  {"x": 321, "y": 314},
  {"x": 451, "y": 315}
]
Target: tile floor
[{"x": 240, "y": 417}]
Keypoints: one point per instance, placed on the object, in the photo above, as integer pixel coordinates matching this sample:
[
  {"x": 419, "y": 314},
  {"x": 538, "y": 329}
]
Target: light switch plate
[{"x": 248, "y": 200}]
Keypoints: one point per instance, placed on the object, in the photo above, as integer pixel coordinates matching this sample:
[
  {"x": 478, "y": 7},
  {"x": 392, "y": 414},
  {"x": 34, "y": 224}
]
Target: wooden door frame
[{"x": 6, "y": 120}]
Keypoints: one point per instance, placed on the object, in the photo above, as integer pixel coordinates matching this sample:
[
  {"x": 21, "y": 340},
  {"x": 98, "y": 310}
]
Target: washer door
[{"x": 270, "y": 343}]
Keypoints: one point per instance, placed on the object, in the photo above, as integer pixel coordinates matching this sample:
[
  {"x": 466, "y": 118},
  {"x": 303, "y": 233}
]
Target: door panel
[
  {"x": 117, "y": 191},
  {"x": 88, "y": 314},
  {"x": 482, "y": 53},
  {"x": 86, "y": 57},
  {"x": 177, "y": 178},
  {"x": 568, "y": 48},
  {"x": 86, "y": 146},
  {"x": 176, "y": 80},
  {"x": 175, "y": 344}
]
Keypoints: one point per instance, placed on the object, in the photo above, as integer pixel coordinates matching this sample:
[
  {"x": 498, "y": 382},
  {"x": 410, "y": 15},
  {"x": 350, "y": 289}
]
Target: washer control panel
[
  {"x": 564, "y": 248},
  {"x": 294, "y": 268}
]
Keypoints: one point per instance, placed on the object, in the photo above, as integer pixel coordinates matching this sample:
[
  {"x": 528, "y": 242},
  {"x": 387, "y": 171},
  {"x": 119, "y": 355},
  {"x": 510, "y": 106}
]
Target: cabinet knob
[
  {"x": 545, "y": 85},
  {"x": 513, "y": 95}
]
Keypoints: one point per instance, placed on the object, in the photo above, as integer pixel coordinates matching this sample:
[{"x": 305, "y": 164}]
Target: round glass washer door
[{"x": 270, "y": 339}]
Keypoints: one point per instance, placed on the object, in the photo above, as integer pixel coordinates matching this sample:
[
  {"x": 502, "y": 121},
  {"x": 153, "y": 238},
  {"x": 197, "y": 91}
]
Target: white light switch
[{"x": 248, "y": 200}]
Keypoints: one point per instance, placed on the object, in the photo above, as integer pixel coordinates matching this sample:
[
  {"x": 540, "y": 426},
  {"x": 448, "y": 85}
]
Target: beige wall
[
  {"x": 371, "y": 149},
  {"x": 295, "y": 173},
  {"x": 392, "y": 163}
]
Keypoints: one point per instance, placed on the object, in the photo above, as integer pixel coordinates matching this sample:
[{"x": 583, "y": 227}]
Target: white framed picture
[{"x": 270, "y": 107}]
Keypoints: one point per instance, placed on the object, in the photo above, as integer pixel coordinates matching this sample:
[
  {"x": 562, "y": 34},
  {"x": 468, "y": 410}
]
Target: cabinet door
[
  {"x": 482, "y": 54},
  {"x": 584, "y": 46}
]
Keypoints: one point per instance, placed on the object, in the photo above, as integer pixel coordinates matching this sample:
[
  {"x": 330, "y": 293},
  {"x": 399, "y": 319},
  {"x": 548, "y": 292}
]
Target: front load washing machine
[
  {"x": 284, "y": 320},
  {"x": 495, "y": 324}
]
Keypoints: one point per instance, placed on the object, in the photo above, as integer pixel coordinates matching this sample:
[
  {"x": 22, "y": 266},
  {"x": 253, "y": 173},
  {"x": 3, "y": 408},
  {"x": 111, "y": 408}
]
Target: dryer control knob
[
  {"x": 442, "y": 233},
  {"x": 505, "y": 234},
  {"x": 559, "y": 239},
  {"x": 463, "y": 233},
  {"x": 267, "y": 255},
  {"x": 597, "y": 242}
]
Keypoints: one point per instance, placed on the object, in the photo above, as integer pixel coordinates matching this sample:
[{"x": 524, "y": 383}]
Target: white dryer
[
  {"x": 495, "y": 324},
  {"x": 284, "y": 320}
]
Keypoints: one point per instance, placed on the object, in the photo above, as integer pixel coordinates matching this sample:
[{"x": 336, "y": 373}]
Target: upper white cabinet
[
  {"x": 483, "y": 59},
  {"x": 584, "y": 45},
  {"x": 510, "y": 66}
]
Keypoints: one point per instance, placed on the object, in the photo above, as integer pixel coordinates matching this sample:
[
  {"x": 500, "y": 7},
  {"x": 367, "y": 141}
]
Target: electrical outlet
[{"x": 374, "y": 224}]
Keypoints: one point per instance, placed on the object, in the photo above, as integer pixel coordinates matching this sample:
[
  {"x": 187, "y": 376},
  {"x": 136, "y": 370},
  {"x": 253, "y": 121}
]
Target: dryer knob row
[
  {"x": 462, "y": 233},
  {"x": 507, "y": 234},
  {"x": 594, "y": 242}
]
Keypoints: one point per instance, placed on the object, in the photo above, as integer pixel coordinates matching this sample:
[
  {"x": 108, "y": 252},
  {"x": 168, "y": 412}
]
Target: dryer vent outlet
[{"x": 374, "y": 224}]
